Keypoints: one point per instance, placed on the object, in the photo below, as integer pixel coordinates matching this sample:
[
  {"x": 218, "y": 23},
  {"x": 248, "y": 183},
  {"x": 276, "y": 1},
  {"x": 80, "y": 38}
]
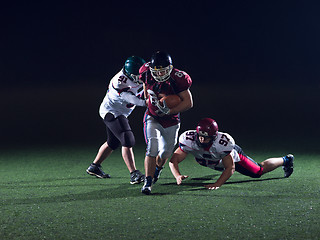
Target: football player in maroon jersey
[
  {"x": 161, "y": 124},
  {"x": 217, "y": 150}
]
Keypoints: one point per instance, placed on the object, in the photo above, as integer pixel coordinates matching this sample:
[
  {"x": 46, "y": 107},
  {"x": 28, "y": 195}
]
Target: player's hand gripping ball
[{"x": 171, "y": 100}]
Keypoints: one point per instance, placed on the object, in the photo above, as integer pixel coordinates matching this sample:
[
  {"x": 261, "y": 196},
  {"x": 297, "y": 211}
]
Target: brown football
[{"x": 171, "y": 100}]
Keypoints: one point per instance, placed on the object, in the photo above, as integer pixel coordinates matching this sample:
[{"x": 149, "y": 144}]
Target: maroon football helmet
[{"x": 208, "y": 128}]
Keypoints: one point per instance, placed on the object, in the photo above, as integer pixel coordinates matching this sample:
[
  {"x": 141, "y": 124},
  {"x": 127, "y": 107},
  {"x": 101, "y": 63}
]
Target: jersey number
[
  {"x": 122, "y": 79},
  {"x": 190, "y": 136},
  {"x": 224, "y": 140}
]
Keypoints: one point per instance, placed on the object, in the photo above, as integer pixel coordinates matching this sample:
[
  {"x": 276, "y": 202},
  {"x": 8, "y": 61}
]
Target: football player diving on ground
[{"x": 217, "y": 150}]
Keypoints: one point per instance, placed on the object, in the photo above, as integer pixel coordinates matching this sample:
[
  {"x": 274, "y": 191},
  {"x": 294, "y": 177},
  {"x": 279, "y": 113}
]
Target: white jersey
[
  {"x": 212, "y": 156},
  {"x": 122, "y": 96}
]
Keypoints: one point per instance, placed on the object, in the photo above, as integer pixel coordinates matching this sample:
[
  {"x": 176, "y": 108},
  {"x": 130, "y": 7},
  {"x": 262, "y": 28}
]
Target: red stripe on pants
[{"x": 248, "y": 167}]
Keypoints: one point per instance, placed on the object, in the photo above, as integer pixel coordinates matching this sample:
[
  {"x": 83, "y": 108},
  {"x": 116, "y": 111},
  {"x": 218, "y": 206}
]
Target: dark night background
[{"x": 255, "y": 67}]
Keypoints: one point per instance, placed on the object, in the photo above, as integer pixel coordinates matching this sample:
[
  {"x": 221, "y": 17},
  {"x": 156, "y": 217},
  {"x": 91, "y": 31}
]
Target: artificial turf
[{"x": 46, "y": 194}]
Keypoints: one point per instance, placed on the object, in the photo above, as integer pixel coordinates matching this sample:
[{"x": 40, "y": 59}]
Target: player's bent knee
[
  {"x": 128, "y": 139},
  {"x": 113, "y": 144},
  {"x": 165, "y": 155}
]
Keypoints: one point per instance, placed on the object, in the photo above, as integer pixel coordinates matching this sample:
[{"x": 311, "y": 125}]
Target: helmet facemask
[
  {"x": 206, "y": 136},
  {"x": 161, "y": 74},
  {"x": 135, "y": 79}
]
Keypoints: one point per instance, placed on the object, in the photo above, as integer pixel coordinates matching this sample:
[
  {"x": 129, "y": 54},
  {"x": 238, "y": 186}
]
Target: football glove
[
  {"x": 164, "y": 109},
  {"x": 153, "y": 97}
]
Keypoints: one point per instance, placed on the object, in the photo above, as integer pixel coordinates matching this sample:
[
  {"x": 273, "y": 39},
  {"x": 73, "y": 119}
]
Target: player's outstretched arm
[
  {"x": 229, "y": 166},
  {"x": 131, "y": 98},
  {"x": 177, "y": 157}
]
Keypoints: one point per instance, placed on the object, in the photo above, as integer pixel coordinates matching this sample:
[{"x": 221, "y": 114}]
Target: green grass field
[{"x": 46, "y": 194}]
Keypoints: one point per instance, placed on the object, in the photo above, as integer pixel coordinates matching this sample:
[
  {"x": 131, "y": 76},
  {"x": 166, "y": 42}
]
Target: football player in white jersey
[
  {"x": 125, "y": 91},
  {"x": 217, "y": 150}
]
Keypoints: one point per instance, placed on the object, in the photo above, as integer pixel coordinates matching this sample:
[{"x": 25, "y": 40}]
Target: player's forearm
[
  {"x": 174, "y": 169},
  {"x": 226, "y": 174},
  {"x": 129, "y": 97},
  {"x": 186, "y": 103},
  {"x": 182, "y": 107}
]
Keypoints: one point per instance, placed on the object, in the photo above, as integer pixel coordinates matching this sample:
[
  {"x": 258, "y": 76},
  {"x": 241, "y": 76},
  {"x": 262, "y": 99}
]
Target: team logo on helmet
[{"x": 203, "y": 133}]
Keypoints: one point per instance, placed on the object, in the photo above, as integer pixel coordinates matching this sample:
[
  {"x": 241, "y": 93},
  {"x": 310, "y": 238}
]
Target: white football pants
[{"x": 160, "y": 141}]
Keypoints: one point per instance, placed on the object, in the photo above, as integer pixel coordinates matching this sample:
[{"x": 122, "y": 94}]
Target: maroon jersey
[{"x": 179, "y": 81}]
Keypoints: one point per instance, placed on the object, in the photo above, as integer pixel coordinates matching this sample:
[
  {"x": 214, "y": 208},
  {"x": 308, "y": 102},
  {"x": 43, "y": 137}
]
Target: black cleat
[
  {"x": 96, "y": 170},
  {"x": 157, "y": 174},
  {"x": 136, "y": 177},
  {"x": 146, "y": 189},
  {"x": 288, "y": 167}
]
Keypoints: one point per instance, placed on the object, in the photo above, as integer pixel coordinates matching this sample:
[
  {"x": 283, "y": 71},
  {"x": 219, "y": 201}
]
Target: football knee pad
[
  {"x": 113, "y": 143},
  {"x": 128, "y": 139},
  {"x": 152, "y": 147}
]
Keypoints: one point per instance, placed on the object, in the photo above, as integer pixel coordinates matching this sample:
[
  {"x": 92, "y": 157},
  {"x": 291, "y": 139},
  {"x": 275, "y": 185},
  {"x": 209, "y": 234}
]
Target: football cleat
[
  {"x": 136, "y": 177},
  {"x": 157, "y": 174},
  {"x": 146, "y": 189},
  {"x": 288, "y": 167},
  {"x": 96, "y": 170}
]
